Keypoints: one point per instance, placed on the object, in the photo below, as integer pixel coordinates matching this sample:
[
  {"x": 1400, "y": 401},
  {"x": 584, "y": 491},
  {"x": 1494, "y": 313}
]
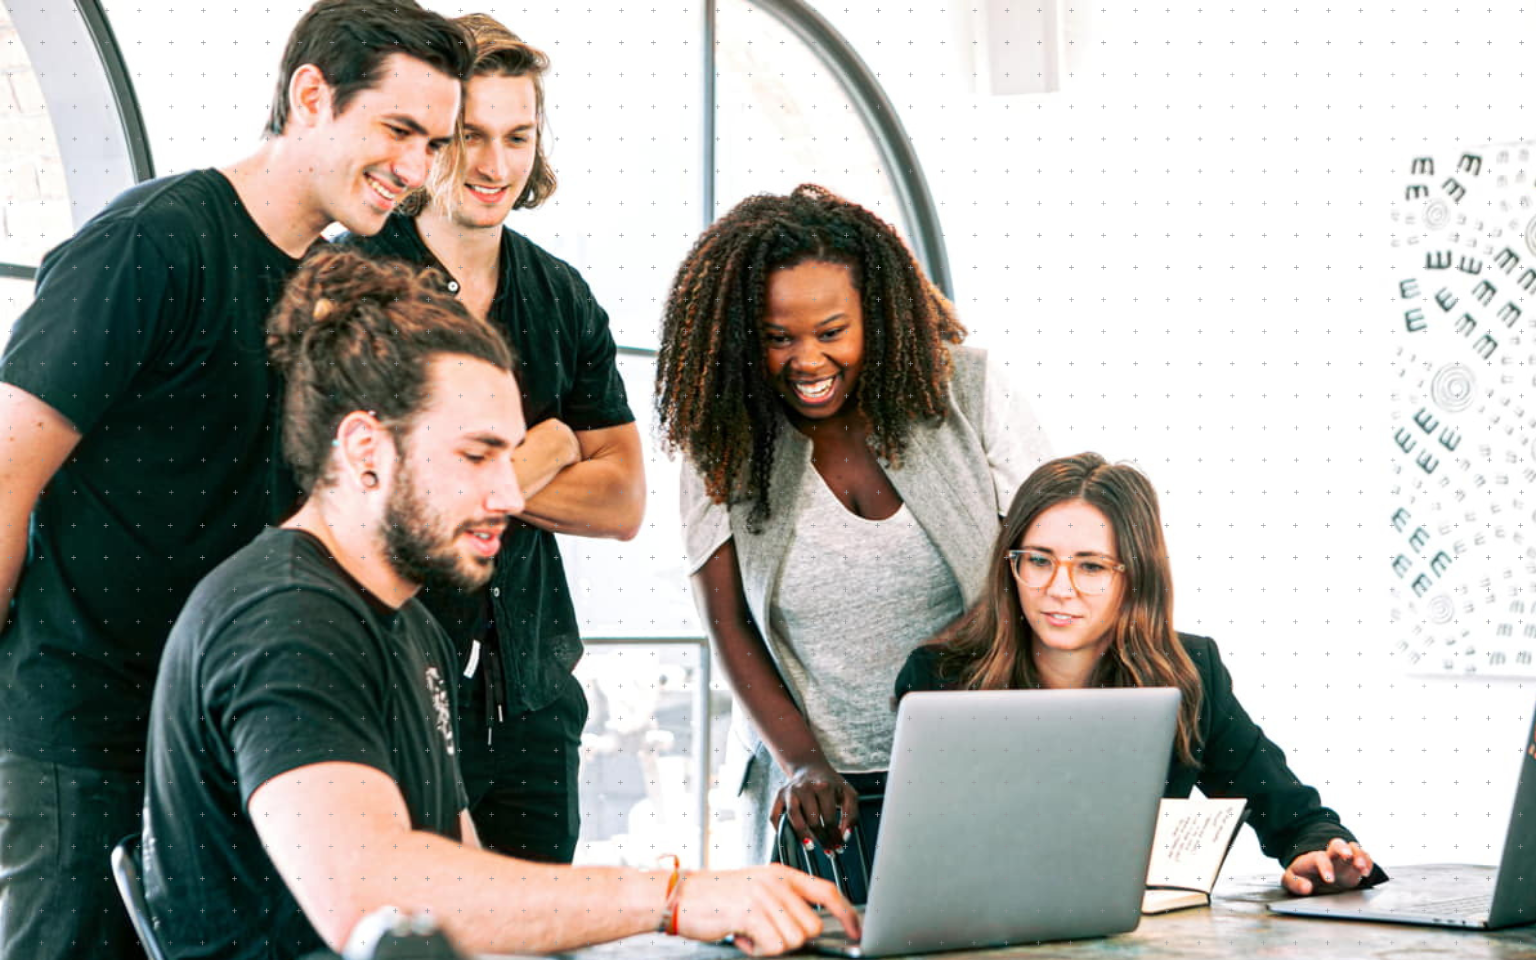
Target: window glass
[
  {"x": 15, "y": 295},
  {"x": 626, "y": 117},
  {"x": 783, "y": 119},
  {"x": 36, "y": 212},
  {"x": 639, "y": 782},
  {"x": 628, "y": 592},
  {"x": 639, "y": 588},
  {"x": 203, "y": 75}
]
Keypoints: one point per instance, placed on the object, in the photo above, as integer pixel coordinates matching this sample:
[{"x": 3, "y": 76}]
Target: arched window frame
[
  {"x": 875, "y": 110},
  {"x": 91, "y": 105}
]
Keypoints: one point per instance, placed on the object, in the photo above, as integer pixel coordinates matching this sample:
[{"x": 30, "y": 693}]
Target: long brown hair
[
  {"x": 713, "y": 398},
  {"x": 990, "y": 648},
  {"x": 498, "y": 53},
  {"x": 354, "y": 333}
]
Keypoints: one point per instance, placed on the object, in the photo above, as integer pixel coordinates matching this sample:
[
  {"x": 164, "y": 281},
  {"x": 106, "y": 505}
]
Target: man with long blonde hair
[{"x": 580, "y": 465}]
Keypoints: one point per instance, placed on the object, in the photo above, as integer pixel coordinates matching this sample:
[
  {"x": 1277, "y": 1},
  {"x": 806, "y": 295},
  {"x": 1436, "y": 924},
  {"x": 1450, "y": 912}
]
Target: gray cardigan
[{"x": 957, "y": 477}]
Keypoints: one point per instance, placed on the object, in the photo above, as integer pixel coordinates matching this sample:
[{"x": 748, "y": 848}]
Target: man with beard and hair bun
[{"x": 303, "y": 769}]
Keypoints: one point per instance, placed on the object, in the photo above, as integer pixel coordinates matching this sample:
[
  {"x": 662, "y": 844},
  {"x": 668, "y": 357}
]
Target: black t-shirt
[
  {"x": 147, "y": 333},
  {"x": 567, "y": 370},
  {"x": 281, "y": 660}
]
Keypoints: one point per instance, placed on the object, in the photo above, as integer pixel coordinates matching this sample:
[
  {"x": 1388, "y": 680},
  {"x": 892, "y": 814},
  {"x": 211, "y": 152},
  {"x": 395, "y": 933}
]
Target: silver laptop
[
  {"x": 1015, "y": 817},
  {"x": 1452, "y": 895}
]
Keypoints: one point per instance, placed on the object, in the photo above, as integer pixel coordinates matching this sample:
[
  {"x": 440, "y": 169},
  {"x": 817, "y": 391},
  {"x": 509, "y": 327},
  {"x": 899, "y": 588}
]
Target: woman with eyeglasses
[
  {"x": 1079, "y": 594},
  {"x": 847, "y": 465}
]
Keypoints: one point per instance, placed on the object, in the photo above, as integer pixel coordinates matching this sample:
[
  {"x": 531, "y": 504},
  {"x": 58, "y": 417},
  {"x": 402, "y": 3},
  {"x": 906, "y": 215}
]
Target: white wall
[{"x": 1185, "y": 251}]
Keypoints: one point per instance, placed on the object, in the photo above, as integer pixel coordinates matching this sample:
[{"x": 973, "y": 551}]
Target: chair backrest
[
  {"x": 849, "y": 869},
  {"x": 127, "y": 866}
]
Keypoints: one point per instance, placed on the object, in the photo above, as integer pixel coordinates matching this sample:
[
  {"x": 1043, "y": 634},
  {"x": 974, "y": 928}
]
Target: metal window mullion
[
  {"x": 708, "y": 205},
  {"x": 707, "y": 215},
  {"x": 701, "y": 734}
]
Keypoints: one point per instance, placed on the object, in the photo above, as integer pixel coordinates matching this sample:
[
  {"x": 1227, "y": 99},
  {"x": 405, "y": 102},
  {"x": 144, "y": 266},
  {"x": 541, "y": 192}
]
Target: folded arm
[{"x": 587, "y": 483}]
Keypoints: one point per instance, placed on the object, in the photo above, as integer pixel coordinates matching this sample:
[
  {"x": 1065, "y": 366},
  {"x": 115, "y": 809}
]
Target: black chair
[
  {"x": 850, "y": 869},
  {"x": 127, "y": 870}
]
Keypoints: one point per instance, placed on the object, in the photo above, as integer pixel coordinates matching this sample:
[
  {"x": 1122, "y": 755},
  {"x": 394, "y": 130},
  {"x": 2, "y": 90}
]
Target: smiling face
[
  {"x": 813, "y": 337},
  {"x": 501, "y": 139},
  {"x": 382, "y": 143},
  {"x": 454, "y": 485},
  {"x": 1063, "y": 620}
]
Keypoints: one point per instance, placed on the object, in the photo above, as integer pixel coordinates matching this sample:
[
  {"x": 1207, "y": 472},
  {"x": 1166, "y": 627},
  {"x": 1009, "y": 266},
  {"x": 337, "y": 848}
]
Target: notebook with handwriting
[{"x": 1191, "y": 844}]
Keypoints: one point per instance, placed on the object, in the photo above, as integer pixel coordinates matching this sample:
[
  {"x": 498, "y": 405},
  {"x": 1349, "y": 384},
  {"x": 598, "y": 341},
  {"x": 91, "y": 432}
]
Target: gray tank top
[{"x": 854, "y": 597}]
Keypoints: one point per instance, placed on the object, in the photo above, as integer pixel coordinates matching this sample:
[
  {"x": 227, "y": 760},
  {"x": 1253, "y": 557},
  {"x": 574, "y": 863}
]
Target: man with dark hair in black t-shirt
[
  {"x": 302, "y": 753},
  {"x": 137, "y": 433},
  {"x": 581, "y": 465}
]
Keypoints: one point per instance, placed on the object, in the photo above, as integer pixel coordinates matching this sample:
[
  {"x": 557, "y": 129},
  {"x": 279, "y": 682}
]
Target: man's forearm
[
  {"x": 602, "y": 494},
  {"x": 488, "y": 903},
  {"x": 593, "y": 498}
]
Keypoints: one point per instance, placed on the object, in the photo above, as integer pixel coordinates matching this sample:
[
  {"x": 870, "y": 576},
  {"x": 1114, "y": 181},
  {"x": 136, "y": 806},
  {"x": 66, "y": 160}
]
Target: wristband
[
  {"x": 674, "y": 905},
  {"x": 668, "y": 922}
]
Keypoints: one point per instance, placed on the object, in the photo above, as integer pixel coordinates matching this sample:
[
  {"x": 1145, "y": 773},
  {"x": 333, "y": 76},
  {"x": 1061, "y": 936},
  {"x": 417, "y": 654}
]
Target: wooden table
[{"x": 1237, "y": 926}]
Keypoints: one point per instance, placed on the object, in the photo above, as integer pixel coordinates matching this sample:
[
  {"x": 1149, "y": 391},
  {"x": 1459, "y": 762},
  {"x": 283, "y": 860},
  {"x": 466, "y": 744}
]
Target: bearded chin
[
  {"x": 433, "y": 569},
  {"x": 422, "y": 558}
]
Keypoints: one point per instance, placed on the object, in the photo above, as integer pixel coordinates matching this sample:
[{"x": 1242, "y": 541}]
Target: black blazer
[{"x": 1233, "y": 758}]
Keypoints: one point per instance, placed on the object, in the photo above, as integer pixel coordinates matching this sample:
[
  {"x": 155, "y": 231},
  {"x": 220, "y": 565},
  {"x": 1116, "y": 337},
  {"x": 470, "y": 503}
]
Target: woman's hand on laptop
[
  {"x": 820, "y": 804},
  {"x": 769, "y": 910},
  {"x": 1340, "y": 866}
]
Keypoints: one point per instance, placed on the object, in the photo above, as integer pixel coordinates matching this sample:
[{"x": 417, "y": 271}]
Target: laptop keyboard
[
  {"x": 1461, "y": 908},
  {"x": 832, "y": 931}
]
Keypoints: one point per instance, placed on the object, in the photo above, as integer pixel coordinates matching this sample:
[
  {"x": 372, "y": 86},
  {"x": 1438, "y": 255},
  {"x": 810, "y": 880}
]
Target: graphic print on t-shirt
[{"x": 439, "y": 694}]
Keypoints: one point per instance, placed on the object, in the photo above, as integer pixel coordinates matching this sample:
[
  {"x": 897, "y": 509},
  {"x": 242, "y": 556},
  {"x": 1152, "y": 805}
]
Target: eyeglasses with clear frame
[{"x": 1089, "y": 575}]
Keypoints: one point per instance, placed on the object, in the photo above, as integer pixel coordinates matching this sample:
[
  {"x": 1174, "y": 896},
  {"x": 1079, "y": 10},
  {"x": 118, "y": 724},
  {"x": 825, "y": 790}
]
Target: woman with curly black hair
[{"x": 848, "y": 462}]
